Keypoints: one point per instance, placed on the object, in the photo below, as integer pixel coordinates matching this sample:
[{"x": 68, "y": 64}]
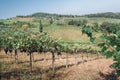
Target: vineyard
[{"x": 29, "y": 52}]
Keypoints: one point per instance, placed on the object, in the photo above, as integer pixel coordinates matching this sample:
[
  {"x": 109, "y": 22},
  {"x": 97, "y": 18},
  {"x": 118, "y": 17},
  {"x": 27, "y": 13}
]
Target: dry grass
[
  {"x": 67, "y": 33},
  {"x": 23, "y": 19},
  {"x": 70, "y": 35},
  {"x": 89, "y": 68}
]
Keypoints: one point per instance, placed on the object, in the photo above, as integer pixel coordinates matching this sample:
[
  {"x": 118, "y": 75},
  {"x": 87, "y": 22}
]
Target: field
[
  {"x": 93, "y": 67},
  {"x": 87, "y": 63}
]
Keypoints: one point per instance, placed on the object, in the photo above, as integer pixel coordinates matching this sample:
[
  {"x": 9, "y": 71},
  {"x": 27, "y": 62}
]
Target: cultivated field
[
  {"x": 92, "y": 67},
  {"x": 71, "y": 36}
]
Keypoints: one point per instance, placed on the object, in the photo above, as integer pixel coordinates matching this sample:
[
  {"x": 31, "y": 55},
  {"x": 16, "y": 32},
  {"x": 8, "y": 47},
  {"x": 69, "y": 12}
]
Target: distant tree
[
  {"x": 110, "y": 27},
  {"x": 105, "y": 15},
  {"x": 74, "y": 22},
  {"x": 1, "y": 23},
  {"x": 41, "y": 27},
  {"x": 51, "y": 20}
]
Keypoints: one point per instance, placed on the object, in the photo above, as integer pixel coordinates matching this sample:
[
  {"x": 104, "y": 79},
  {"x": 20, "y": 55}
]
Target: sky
[{"x": 12, "y": 8}]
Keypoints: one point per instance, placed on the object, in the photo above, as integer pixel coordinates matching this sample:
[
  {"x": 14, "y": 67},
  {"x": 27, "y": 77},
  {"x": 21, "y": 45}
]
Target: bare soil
[{"x": 93, "y": 67}]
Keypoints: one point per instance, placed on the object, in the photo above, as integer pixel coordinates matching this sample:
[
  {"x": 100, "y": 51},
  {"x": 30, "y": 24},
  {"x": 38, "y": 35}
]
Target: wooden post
[
  {"x": 76, "y": 62},
  {"x": 66, "y": 60},
  {"x": 30, "y": 62},
  {"x": 53, "y": 59},
  {"x": 16, "y": 55}
]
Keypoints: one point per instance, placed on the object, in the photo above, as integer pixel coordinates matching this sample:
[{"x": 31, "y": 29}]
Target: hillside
[
  {"x": 43, "y": 14},
  {"x": 105, "y": 15}
]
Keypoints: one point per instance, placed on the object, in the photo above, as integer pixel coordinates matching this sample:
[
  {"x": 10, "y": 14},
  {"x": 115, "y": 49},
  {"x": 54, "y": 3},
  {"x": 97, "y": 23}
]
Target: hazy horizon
[{"x": 12, "y": 8}]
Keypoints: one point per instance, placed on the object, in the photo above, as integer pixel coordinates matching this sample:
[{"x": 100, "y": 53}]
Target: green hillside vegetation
[{"x": 105, "y": 15}]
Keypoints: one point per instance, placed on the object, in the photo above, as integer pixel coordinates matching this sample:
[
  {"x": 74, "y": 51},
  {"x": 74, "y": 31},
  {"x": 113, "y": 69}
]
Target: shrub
[
  {"x": 25, "y": 27},
  {"x": 73, "y": 22}
]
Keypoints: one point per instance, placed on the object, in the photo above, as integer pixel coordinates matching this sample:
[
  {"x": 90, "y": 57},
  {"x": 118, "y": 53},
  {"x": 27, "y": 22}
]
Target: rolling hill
[{"x": 105, "y": 15}]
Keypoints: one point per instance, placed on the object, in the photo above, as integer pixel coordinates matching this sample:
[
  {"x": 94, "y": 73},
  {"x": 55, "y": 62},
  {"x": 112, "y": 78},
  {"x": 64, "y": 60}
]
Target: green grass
[
  {"x": 70, "y": 34},
  {"x": 7, "y": 21},
  {"x": 96, "y": 19},
  {"x": 65, "y": 33},
  {"x": 101, "y": 20}
]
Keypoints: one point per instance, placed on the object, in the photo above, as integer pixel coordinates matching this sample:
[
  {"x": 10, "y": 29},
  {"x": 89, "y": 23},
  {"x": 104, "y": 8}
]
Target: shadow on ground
[{"x": 110, "y": 76}]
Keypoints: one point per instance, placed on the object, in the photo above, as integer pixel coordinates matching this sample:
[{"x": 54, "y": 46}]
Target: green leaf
[
  {"x": 104, "y": 48},
  {"x": 115, "y": 65},
  {"x": 117, "y": 56},
  {"x": 108, "y": 54},
  {"x": 118, "y": 73},
  {"x": 101, "y": 44},
  {"x": 92, "y": 39}
]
